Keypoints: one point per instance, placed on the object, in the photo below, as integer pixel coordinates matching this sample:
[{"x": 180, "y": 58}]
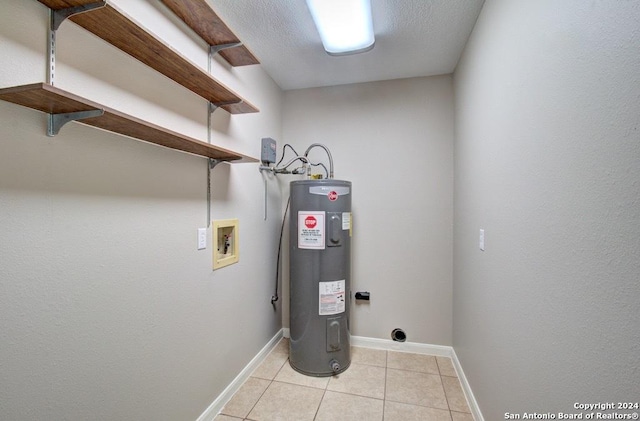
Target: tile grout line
[
  {"x": 451, "y": 411},
  {"x": 215, "y": 408},
  {"x": 444, "y": 390},
  {"x": 386, "y": 367},
  {"x": 446, "y": 398},
  {"x": 258, "y": 400},
  {"x": 324, "y": 393},
  {"x": 270, "y": 381}
]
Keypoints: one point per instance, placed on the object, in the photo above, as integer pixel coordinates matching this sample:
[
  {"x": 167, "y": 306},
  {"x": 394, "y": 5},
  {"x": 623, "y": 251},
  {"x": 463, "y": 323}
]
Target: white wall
[
  {"x": 108, "y": 310},
  {"x": 547, "y": 159},
  {"x": 394, "y": 141}
]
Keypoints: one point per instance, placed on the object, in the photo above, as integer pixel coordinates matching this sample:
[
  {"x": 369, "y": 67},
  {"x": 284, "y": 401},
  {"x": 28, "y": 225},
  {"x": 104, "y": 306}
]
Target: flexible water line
[{"x": 328, "y": 154}]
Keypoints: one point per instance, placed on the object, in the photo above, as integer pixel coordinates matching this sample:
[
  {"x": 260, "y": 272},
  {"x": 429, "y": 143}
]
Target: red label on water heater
[
  {"x": 311, "y": 230},
  {"x": 310, "y": 222},
  {"x": 333, "y": 195}
]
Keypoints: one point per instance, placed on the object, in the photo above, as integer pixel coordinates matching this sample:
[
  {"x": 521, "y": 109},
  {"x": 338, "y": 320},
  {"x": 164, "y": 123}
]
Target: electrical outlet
[{"x": 481, "y": 241}]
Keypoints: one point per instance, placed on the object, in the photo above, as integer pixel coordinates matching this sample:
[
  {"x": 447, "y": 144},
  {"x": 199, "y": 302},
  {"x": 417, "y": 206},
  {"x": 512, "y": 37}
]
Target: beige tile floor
[{"x": 378, "y": 386}]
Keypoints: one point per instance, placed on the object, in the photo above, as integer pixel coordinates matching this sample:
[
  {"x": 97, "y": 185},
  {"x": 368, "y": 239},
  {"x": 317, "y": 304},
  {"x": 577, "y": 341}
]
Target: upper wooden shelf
[
  {"x": 207, "y": 24},
  {"x": 49, "y": 99},
  {"x": 118, "y": 29}
]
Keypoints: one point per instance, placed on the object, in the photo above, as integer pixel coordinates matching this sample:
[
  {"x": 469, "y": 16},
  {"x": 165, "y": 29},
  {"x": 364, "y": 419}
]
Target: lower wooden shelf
[{"x": 51, "y": 100}]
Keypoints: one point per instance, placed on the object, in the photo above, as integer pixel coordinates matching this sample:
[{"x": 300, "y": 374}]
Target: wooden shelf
[
  {"x": 49, "y": 99},
  {"x": 116, "y": 28},
  {"x": 207, "y": 24}
]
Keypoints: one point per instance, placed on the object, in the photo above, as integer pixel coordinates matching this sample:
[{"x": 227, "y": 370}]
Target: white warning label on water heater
[
  {"x": 331, "y": 297},
  {"x": 311, "y": 230},
  {"x": 346, "y": 221}
]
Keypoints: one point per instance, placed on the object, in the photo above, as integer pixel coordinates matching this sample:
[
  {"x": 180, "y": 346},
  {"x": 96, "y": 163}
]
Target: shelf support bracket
[
  {"x": 214, "y": 106},
  {"x": 56, "y": 17},
  {"x": 56, "y": 121},
  {"x": 59, "y": 15},
  {"x": 215, "y": 49}
]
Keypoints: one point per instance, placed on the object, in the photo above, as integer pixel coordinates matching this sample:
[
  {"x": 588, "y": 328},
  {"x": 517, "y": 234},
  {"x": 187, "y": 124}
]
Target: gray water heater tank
[{"x": 320, "y": 276}]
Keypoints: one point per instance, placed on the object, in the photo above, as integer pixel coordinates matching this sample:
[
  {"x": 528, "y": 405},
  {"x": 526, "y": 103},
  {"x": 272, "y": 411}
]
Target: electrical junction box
[
  {"x": 268, "y": 154},
  {"x": 226, "y": 244}
]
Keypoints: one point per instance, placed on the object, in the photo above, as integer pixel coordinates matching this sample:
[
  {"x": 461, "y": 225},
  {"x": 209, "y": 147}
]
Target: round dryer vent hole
[{"x": 398, "y": 335}]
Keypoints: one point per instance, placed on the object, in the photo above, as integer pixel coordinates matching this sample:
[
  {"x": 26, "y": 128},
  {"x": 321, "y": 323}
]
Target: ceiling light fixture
[{"x": 345, "y": 26}]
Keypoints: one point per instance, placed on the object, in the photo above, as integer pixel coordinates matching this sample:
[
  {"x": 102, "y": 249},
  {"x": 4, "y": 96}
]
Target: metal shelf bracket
[
  {"x": 58, "y": 16},
  {"x": 56, "y": 121},
  {"x": 215, "y": 49},
  {"x": 214, "y": 106},
  {"x": 55, "y": 20}
]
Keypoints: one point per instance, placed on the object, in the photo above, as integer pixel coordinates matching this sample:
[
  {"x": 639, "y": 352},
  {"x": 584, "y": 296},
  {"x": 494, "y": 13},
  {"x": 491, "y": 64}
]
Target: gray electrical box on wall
[{"x": 268, "y": 155}]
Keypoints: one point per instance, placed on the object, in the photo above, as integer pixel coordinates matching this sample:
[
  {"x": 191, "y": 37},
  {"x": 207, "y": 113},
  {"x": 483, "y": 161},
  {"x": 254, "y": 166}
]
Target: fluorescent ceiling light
[{"x": 345, "y": 26}]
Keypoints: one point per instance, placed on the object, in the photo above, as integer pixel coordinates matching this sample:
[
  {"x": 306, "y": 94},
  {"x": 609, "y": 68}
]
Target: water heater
[{"x": 320, "y": 276}]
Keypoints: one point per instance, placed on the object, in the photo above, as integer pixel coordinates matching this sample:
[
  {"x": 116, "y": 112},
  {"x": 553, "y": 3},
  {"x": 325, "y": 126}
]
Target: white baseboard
[
  {"x": 473, "y": 404},
  {"x": 216, "y": 406},
  {"x": 385, "y": 344},
  {"x": 413, "y": 347}
]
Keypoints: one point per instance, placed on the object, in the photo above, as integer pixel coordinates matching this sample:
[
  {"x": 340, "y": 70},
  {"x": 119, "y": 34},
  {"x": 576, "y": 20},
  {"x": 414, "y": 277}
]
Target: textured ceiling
[{"x": 413, "y": 38}]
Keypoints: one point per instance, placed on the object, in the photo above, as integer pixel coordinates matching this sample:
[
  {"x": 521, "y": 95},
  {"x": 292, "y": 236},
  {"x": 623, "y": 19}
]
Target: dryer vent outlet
[{"x": 398, "y": 335}]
